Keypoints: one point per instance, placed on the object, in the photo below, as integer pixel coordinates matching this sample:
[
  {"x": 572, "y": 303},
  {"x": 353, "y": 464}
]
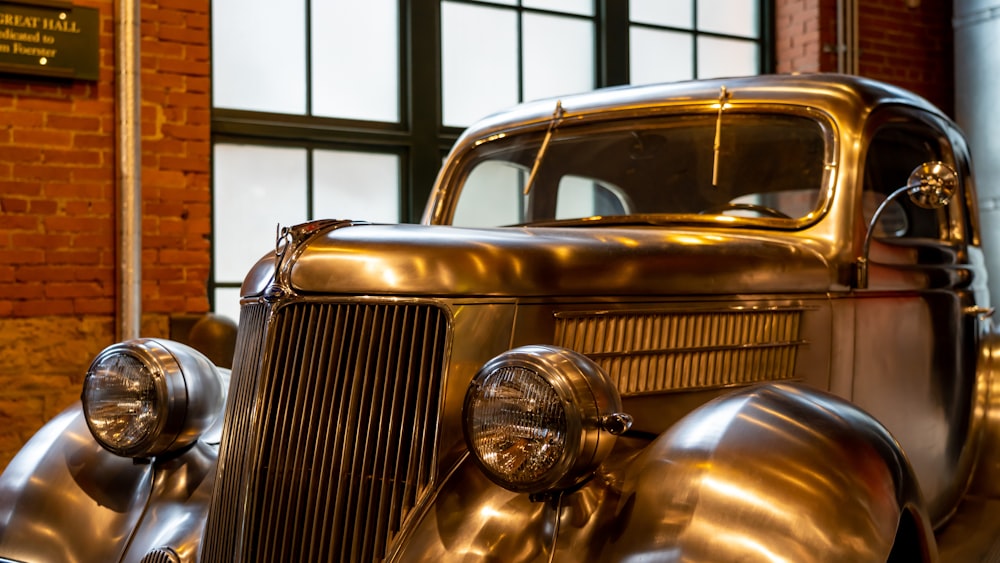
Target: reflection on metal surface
[
  {"x": 657, "y": 351},
  {"x": 64, "y": 492},
  {"x": 785, "y": 509},
  {"x": 340, "y": 446},
  {"x": 343, "y": 439}
]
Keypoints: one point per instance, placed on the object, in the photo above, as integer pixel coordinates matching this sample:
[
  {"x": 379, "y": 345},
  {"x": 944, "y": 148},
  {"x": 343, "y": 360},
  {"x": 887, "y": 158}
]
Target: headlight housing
[
  {"x": 541, "y": 418},
  {"x": 146, "y": 397}
]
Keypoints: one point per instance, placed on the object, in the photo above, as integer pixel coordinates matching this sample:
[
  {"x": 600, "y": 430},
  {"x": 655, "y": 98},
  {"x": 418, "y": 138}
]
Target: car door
[{"x": 916, "y": 321}]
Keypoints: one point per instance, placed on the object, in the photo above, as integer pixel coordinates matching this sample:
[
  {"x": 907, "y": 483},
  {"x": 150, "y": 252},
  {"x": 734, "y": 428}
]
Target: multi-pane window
[
  {"x": 343, "y": 109},
  {"x": 673, "y": 40}
]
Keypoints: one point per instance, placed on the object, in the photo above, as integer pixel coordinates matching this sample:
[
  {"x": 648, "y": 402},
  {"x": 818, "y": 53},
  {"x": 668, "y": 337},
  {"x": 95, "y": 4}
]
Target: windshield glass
[{"x": 765, "y": 169}]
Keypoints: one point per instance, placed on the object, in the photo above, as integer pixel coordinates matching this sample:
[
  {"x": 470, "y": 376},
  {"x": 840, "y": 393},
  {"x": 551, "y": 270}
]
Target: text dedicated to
[{"x": 34, "y": 36}]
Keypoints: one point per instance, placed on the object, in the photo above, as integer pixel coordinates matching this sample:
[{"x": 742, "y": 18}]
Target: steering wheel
[{"x": 761, "y": 209}]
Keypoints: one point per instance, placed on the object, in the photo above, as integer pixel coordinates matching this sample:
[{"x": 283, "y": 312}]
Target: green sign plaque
[{"x": 46, "y": 38}]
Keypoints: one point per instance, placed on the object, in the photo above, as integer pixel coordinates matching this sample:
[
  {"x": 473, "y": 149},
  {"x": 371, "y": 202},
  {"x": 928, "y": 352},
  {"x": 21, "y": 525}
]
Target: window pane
[
  {"x": 256, "y": 188},
  {"x": 227, "y": 302},
  {"x": 344, "y": 83},
  {"x": 356, "y": 185},
  {"x": 732, "y": 17},
  {"x": 492, "y": 196},
  {"x": 558, "y": 56},
  {"x": 659, "y": 56},
  {"x": 253, "y": 74},
  {"x": 478, "y": 77},
  {"x": 581, "y": 7},
  {"x": 671, "y": 13},
  {"x": 726, "y": 57}
]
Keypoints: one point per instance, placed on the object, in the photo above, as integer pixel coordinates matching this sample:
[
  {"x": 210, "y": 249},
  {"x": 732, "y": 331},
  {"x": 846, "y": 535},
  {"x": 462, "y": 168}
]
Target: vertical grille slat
[
  {"x": 654, "y": 351},
  {"x": 317, "y": 462}
]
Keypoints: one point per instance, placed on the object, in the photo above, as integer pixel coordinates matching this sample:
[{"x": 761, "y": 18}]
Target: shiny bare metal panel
[{"x": 803, "y": 352}]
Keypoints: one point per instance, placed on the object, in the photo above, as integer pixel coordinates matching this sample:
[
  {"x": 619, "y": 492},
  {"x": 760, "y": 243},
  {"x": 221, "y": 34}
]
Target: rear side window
[{"x": 894, "y": 151}]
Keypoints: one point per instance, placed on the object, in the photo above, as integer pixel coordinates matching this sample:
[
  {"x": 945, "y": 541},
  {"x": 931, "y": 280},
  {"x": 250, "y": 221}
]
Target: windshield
[{"x": 765, "y": 169}]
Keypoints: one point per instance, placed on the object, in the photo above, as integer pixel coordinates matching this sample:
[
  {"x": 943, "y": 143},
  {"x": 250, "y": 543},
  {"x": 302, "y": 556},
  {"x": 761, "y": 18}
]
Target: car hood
[{"x": 367, "y": 259}]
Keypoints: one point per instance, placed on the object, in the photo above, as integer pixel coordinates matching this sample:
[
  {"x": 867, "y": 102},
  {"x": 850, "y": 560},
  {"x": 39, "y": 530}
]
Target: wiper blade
[
  {"x": 557, "y": 116},
  {"x": 724, "y": 95}
]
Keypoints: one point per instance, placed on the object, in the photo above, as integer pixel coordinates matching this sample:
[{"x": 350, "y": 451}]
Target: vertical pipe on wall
[
  {"x": 847, "y": 37},
  {"x": 128, "y": 100},
  {"x": 976, "y": 26}
]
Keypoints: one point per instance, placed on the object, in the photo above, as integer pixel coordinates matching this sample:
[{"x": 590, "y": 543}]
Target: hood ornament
[{"x": 289, "y": 242}]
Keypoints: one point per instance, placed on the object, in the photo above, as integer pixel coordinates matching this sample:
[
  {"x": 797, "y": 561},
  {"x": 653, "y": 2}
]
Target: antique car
[{"x": 722, "y": 320}]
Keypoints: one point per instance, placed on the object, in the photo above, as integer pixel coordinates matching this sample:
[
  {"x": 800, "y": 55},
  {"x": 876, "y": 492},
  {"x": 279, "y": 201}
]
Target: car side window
[{"x": 894, "y": 151}]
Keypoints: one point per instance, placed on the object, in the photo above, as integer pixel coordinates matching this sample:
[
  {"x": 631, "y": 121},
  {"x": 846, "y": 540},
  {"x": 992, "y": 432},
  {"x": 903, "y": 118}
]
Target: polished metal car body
[{"x": 724, "y": 320}]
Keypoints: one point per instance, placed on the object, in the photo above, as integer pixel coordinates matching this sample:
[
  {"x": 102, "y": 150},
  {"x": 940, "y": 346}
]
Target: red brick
[
  {"x": 20, "y": 222},
  {"x": 13, "y": 205},
  {"x": 97, "y": 306},
  {"x": 71, "y": 157},
  {"x": 44, "y": 307},
  {"x": 21, "y": 292},
  {"x": 21, "y": 256},
  {"x": 43, "y": 206},
  {"x": 20, "y": 154},
  {"x": 75, "y": 123}
]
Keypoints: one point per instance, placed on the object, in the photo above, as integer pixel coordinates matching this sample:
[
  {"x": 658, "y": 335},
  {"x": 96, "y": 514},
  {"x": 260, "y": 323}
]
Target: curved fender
[
  {"x": 64, "y": 499},
  {"x": 775, "y": 472},
  {"x": 473, "y": 519},
  {"x": 178, "y": 507}
]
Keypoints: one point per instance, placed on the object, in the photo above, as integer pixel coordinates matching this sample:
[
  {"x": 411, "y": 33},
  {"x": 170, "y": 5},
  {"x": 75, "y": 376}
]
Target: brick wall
[
  {"x": 910, "y": 47},
  {"x": 907, "y": 46},
  {"x": 58, "y": 210}
]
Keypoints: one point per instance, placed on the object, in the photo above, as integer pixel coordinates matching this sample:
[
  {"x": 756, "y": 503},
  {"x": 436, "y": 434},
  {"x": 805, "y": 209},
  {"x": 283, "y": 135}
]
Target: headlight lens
[
  {"x": 536, "y": 418},
  {"x": 519, "y": 424},
  {"x": 146, "y": 397},
  {"x": 124, "y": 400}
]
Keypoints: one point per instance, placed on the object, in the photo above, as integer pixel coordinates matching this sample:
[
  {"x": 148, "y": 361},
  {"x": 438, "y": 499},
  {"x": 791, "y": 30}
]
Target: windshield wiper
[
  {"x": 557, "y": 116},
  {"x": 723, "y": 98}
]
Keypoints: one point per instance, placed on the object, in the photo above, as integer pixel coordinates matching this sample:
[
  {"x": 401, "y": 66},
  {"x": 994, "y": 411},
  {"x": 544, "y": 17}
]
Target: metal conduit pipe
[
  {"x": 847, "y": 37},
  {"x": 976, "y": 25},
  {"x": 128, "y": 100}
]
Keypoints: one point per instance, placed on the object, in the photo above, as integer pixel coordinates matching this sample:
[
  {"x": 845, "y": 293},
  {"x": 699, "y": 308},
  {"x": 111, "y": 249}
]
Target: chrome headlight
[
  {"x": 143, "y": 398},
  {"x": 541, "y": 418}
]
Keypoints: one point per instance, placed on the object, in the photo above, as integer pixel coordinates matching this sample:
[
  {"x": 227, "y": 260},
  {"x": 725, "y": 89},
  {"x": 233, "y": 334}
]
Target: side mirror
[{"x": 931, "y": 186}]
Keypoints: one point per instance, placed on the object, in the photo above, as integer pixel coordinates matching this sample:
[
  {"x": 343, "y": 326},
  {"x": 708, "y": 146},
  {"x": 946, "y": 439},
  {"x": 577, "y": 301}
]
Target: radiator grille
[
  {"x": 330, "y": 432},
  {"x": 651, "y": 352}
]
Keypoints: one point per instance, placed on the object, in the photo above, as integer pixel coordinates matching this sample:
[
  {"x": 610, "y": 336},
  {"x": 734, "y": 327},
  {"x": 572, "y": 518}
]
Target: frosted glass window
[
  {"x": 731, "y": 17},
  {"x": 575, "y": 198},
  {"x": 227, "y": 302},
  {"x": 719, "y": 58},
  {"x": 558, "y": 56},
  {"x": 250, "y": 73},
  {"x": 660, "y": 56},
  {"x": 355, "y": 59},
  {"x": 479, "y": 71},
  {"x": 580, "y": 7},
  {"x": 491, "y": 196},
  {"x": 669, "y": 13},
  {"x": 256, "y": 188},
  {"x": 356, "y": 185}
]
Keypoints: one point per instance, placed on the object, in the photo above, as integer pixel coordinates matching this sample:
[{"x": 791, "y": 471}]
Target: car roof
[{"x": 846, "y": 98}]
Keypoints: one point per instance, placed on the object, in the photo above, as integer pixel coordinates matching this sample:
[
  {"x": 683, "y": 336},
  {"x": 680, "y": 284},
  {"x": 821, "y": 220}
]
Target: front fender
[
  {"x": 64, "y": 499},
  {"x": 769, "y": 473},
  {"x": 776, "y": 472}
]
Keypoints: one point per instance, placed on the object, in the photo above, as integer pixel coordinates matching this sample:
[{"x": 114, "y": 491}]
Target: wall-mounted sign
[{"x": 46, "y": 38}]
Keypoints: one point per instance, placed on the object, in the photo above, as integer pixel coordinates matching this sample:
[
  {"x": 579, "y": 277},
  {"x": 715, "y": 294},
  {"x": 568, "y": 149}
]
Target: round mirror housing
[{"x": 932, "y": 185}]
